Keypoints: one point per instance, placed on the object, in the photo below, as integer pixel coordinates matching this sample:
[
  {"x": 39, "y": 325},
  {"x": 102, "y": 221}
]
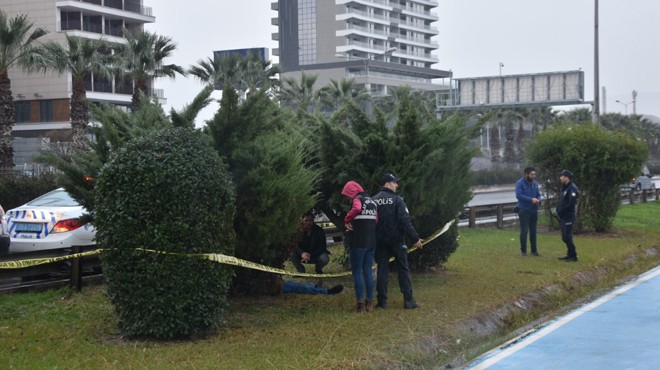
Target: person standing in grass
[
  {"x": 394, "y": 222},
  {"x": 566, "y": 211},
  {"x": 361, "y": 221},
  {"x": 529, "y": 199}
]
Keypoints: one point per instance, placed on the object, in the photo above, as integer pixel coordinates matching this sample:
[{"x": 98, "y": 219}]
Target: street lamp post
[{"x": 625, "y": 105}]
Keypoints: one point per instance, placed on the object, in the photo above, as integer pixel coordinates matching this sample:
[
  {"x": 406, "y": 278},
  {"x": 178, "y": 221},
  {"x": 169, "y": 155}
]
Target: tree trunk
[
  {"x": 520, "y": 141},
  {"x": 140, "y": 87},
  {"x": 79, "y": 116},
  {"x": 7, "y": 119},
  {"x": 509, "y": 154},
  {"x": 495, "y": 156}
]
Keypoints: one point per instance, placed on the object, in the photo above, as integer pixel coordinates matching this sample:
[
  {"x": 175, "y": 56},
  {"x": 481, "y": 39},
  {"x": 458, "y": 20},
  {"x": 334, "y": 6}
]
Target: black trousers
[
  {"x": 567, "y": 235},
  {"x": 382, "y": 256},
  {"x": 319, "y": 262}
]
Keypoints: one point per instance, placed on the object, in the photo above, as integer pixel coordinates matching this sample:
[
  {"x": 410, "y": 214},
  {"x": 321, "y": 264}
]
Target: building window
[
  {"x": 70, "y": 21},
  {"x": 307, "y": 32},
  {"x": 46, "y": 110},
  {"x": 22, "y": 109}
]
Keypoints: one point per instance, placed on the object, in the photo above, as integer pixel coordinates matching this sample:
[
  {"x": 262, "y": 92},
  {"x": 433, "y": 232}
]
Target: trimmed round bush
[{"x": 168, "y": 192}]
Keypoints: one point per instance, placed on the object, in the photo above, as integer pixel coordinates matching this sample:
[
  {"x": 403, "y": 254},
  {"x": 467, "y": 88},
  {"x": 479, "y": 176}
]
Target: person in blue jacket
[{"x": 529, "y": 199}]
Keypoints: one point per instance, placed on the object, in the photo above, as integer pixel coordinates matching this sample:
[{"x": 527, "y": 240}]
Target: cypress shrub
[{"x": 169, "y": 192}]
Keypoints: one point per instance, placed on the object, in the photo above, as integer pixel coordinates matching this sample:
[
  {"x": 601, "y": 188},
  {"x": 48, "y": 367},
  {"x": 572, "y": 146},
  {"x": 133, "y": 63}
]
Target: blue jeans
[
  {"x": 528, "y": 221},
  {"x": 300, "y": 288},
  {"x": 362, "y": 261}
]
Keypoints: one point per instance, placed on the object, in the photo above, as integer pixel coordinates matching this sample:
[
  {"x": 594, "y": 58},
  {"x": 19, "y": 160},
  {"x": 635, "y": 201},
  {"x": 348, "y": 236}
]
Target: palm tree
[
  {"x": 300, "y": 94},
  {"x": 17, "y": 43},
  {"x": 248, "y": 73},
  {"x": 220, "y": 71},
  {"x": 338, "y": 93},
  {"x": 258, "y": 73},
  {"x": 81, "y": 57},
  {"x": 143, "y": 56}
]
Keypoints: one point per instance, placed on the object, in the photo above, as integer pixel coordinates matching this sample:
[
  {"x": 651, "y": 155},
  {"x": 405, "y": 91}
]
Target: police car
[{"x": 49, "y": 222}]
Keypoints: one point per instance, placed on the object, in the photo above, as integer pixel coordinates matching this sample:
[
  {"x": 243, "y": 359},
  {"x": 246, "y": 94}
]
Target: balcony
[{"x": 110, "y": 6}]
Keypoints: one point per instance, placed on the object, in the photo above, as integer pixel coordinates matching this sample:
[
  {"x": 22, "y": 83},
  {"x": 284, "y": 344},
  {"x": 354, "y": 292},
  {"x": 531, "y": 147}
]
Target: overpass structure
[{"x": 513, "y": 91}]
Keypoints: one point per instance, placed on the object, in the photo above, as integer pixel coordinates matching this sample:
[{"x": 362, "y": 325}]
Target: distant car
[
  {"x": 643, "y": 181},
  {"x": 4, "y": 233},
  {"x": 49, "y": 222}
]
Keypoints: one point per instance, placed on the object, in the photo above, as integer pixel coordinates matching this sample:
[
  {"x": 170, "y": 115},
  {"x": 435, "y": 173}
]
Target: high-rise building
[
  {"x": 42, "y": 101},
  {"x": 379, "y": 43}
]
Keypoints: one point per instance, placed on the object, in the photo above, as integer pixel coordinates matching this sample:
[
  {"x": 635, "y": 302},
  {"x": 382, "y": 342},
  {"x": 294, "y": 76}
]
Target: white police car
[{"x": 48, "y": 222}]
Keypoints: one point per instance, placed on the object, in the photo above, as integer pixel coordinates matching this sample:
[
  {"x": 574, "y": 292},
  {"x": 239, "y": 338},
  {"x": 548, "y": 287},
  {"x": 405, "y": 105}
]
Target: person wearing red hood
[{"x": 361, "y": 222}]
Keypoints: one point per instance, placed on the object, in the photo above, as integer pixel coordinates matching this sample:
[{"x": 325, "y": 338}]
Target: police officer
[
  {"x": 393, "y": 224},
  {"x": 566, "y": 212}
]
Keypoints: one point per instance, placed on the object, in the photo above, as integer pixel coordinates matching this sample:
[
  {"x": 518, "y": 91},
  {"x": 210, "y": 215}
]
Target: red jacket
[{"x": 351, "y": 190}]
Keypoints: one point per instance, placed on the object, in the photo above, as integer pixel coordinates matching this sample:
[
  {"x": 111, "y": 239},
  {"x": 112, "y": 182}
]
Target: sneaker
[
  {"x": 570, "y": 259},
  {"x": 410, "y": 305},
  {"x": 536, "y": 254},
  {"x": 336, "y": 289},
  {"x": 563, "y": 258},
  {"x": 523, "y": 254}
]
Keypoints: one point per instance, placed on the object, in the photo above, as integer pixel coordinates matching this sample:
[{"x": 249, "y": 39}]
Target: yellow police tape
[{"x": 215, "y": 257}]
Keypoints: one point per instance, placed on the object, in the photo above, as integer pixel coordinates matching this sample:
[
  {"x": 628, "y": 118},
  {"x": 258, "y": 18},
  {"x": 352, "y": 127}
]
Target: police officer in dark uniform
[
  {"x": 393, "y": 224},
  {"x": 566, "y": 212}
]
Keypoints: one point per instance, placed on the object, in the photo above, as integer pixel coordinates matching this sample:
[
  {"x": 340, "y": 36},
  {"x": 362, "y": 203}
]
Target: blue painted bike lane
[{"x": 620, "y": 330}]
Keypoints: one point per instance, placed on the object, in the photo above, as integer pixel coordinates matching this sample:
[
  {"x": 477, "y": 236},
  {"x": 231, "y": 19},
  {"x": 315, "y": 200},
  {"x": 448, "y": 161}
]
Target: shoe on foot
[
  {"x": 336, "y": 289},
  {"x": 410, "y": 305},
  {"x": 563, "y": 258},
  {"x": 523, "y": 254},
  {"x": 570, "y": 259},
  {"x": 381, "y": 304},
  {"x": 536, "y": 254}
]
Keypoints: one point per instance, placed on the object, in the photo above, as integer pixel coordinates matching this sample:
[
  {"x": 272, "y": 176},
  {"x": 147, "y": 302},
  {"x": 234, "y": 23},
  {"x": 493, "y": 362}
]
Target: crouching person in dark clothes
[
  {"x": 393, "y": 223},
  {"x": 312, "y": 248},
  {"x": 566, "y": 212}
]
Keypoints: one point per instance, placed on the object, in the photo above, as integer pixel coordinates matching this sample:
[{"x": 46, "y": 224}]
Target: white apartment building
[
  {"x": 379, "y": 43},
  {"x": 42, "y": 101}
]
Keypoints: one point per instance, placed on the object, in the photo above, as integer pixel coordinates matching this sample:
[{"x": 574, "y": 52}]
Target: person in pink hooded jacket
[{"x": 361, "y": 222}]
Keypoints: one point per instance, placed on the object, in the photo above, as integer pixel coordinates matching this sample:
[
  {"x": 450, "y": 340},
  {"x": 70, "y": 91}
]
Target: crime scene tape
[
  {"x": 215, "y": 257},
  {"x": 40, "y": 261}
]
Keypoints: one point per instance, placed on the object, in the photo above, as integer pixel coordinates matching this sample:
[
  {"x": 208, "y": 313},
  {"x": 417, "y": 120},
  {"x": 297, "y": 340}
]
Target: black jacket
[
  {"x": 393, "y": 219},
  {"x": 314, "y": 243},
  {"x": 567, "y": 201}
]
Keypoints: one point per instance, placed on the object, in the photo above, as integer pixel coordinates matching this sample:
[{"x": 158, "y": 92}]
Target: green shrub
[
  {"x": 16, "y": 190},
  {"x": 169, "y": 192},
  {"x": 600, "y": 161}
]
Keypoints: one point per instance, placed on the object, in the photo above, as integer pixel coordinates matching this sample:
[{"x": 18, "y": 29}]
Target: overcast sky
[{"x": 527, "y": 36}]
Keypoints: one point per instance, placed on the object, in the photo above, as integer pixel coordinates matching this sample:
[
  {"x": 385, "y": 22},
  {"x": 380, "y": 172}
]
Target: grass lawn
[{"x": 481, "y": 296}]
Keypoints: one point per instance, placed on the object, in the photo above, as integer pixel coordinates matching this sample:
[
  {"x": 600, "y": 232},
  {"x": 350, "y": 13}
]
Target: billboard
[{"x": 553, "y": 88}]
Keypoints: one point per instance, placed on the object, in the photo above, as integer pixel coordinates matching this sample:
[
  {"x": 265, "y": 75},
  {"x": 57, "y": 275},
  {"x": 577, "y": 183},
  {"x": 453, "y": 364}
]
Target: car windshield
[{"x": 56, "y": 198}]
